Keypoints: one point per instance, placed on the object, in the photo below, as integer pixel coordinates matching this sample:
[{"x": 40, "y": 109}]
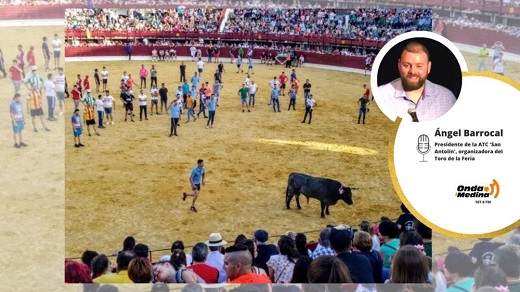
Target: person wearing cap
[
  {"x": 359, "y": 266},
  {"x": 237, "y": 263},
  {"x": 265, "y": 250},
  {"x": 215, "y": 258}
]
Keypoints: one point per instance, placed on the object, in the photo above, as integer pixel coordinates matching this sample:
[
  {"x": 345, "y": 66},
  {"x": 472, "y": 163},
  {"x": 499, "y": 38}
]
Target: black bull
[{"x": 327, "y": 191}]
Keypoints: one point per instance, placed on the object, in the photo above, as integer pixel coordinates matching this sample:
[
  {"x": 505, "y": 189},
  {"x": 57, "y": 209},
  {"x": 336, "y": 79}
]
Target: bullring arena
[
  {"x": 129, "y": 180},
  {"x": 248, "y": 157}
]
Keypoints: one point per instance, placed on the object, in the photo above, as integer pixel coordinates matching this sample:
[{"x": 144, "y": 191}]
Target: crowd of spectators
[
  {"x": 389, "y": 252},
  {"x": 360, "y": 25},
  {"x": 364, "y": 24},
  {"x": 149, "y": 19},
  {"x": 465, "y": 21},
  {"x": 490, "y": 265}
]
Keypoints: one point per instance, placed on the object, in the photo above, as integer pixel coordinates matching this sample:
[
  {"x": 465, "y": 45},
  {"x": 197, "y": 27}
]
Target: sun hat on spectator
[{"x": 215, "y": 239}]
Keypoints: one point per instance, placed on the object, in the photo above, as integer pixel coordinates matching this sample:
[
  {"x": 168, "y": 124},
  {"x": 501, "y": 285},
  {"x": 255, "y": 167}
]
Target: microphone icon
[{"x": 423, "y": 145}]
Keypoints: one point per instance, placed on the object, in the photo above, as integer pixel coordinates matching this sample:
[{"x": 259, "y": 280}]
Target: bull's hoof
[
  {"x": 299, "y": 208},
  {"x": 322, "y": 217},
  {"x": 288, "y": 208},
  {"x": 327, "y": 213}
]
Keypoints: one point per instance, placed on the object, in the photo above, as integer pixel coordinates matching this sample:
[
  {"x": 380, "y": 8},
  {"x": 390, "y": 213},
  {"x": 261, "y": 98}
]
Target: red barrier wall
[
  {"x": 315, "y": 58},
  {"x": 225, "y": 36},
  {"x": 477, "y": 37}
]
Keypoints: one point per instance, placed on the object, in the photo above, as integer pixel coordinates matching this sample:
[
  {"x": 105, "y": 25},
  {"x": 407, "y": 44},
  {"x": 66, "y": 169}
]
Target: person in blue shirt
[
  {"x": 128, "y": 48},
  {"x": 211, "y": 104},
  {"x": 175, "y": 113},
  {"x": 196, "y": 179},
  {"x": 185, "y": 90},
  {"x": 275, "y": 93},
  {"x": 195, "y": 80}
]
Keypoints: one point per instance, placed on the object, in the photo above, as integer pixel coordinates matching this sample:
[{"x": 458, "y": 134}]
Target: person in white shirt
[
  {"x": 309, "y": 106},
  {"x": 142, "y": 106},
  {"x": 274, "y": 83},
  {"x": 125, "y": 77},
  {"x": 200, "y": 66},
  {"x": 109, "y": 105},
  {"x": 154, "y": 97},
  {"x": 56, "y": 46},
  {"x": 51, "y": 96},
  {"x": 173, "y": 54},
  {"x": 100, "y": 110},
  {"x": 154, "y": 55},
  {"x": 253, "y": 88},
  {"x": 247, "y": 82},
  {"x": 193, "y": 51},
  {"x": 499, "y": 65},
  {"x": 59, "y": 87},
  {"x": 104, "y": 78}
]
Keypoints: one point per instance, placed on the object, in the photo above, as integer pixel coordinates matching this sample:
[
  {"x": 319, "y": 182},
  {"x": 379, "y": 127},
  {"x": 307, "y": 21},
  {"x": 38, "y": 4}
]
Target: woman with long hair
[
  {"x": 409, "y": 265},
  {"x": 328, "y": 269},
  {"x": 281, "y": 266}
]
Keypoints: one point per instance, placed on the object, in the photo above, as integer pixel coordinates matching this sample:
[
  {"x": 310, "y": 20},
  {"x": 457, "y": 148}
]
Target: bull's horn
[{"x": 354, "y": 188}]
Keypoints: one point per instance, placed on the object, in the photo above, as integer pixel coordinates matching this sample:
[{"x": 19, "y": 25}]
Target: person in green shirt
[
  {"x": 243, "y": 93},
  {"x": 483, "y": 55}
]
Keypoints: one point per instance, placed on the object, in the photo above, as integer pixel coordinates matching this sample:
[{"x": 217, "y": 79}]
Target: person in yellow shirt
[
  {"x": 121, "y": 276},
  {"x": 34, "y": 107},
  {"x": 190, "y": 102},
  {"x": 483, "y": 55},
  {"x": 90, "y": 119}
]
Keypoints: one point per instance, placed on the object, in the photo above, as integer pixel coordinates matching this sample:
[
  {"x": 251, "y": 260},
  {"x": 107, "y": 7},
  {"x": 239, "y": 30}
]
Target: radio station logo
[{"x": 479, "y": 191}]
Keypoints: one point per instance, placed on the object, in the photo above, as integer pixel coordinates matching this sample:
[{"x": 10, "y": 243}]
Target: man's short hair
[
  {"x": 199, "y": 252},
  {"x": 123, "y": 259},
  {"x": 200, "y": 161},
  {"x": 416, "y": 47},
  {"x": 141, "y": 250},
  {"x": 508, "y": 259},
  {"x": 340, "y": 240}
]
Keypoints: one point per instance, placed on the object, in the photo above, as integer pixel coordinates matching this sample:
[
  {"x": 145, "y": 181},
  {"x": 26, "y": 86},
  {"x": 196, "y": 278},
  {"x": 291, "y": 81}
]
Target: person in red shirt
[
  {"x": 366, "y": 92},
  {"x": 15, "y": 73},
  {"x": 296, "y": 85},
  {"x": 76, "y": 96},
  {"x": 86, "y": 83},
  {"x": 206, "y": 272},
  {"x": 237, "y": 263},
  {"x": 31, "y": 59},
  {"x": 283, "y": 80},
  {"x": 19, "y": 57},
  {"x": 79, "y": 84}
]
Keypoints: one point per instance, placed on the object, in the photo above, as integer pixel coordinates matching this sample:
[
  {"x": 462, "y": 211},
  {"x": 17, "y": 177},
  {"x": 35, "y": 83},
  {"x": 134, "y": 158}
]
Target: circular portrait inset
[{"x": 417, "y": 76}]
